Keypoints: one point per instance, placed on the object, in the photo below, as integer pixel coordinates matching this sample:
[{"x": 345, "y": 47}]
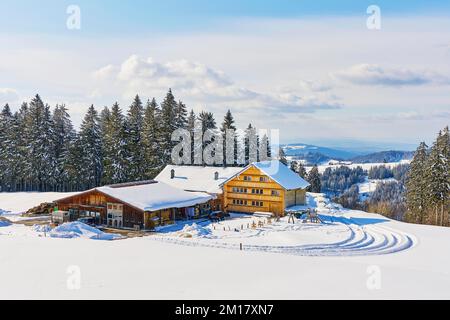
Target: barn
[{"x": 137, "y": 205}]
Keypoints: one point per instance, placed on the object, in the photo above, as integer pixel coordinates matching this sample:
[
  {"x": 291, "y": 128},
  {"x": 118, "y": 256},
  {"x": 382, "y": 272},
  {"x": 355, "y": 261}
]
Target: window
[
  {"x": 257, "y": 204},
  {"x": 276, "y": 193},
  {"x": 257, "y": 191},
  {"x": 263, "y": 179},
  {"x": 247, "y": 178},
  {"x": 239, "y": 190},
  {"x": 239, "y": 202}
]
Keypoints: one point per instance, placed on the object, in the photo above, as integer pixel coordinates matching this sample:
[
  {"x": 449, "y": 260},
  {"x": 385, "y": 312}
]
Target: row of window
[
  {"x": 261, "y": 179},
  {"x": 254, "y": 191},
  {"x": 240, "y": 202},
  {"x": 239, "y": 190}
]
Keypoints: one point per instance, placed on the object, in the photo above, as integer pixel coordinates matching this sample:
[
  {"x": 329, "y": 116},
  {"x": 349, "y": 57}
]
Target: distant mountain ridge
[
  {"x": 313, "y": 154},
  {"x": 384, "y": 156},
  {"x": 302, "y": 149}
]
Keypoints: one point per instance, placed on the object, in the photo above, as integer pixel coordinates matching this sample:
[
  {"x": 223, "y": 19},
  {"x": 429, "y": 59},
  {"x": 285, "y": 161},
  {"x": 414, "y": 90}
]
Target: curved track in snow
[{"x": 361, "y": 240}]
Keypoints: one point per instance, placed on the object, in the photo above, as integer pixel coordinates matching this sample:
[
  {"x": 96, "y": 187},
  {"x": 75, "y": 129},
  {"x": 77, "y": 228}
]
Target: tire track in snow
[{"x": 362, "y": 240}]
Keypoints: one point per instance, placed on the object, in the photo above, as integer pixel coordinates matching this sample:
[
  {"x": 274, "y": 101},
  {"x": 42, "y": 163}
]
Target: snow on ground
[
  {"x": 78, "y": 229},
  {"x": 14, "y": 204},
  {"x": 370, "y": 185},
  {"x": 352, "y": 255}
]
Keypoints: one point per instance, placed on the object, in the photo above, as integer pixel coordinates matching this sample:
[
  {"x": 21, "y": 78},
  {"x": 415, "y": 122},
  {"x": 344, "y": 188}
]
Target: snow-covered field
[
  {"x": 370, "y": 185},
  {"x": 364, "y": 166},
  {"x": 353, "y": 254}
]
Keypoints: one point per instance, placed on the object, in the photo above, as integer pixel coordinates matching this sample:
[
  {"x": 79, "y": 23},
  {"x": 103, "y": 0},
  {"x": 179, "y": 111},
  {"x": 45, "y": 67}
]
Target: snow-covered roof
[
  {"x": 197, "y": 178},
  {"x": 280, "y": 173},
  {"x": 155, "y": 196}
]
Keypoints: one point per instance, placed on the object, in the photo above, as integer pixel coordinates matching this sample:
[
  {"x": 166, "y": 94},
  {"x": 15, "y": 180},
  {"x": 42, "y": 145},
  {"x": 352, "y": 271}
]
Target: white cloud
[
  {"x": 315, "y": 86},
  {"x": 8, "y": 95},
  {"x": 372, "y": 74},
  {"x": 199, "y": 84}
]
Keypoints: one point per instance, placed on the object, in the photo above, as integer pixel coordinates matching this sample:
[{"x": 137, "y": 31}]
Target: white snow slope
[{"x": 352, "y": 255}]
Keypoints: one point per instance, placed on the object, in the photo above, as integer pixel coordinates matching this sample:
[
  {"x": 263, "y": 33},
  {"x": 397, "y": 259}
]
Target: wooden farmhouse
[
  {"x": 140, "y": 205},
  {"x": 267, "y": 186}
]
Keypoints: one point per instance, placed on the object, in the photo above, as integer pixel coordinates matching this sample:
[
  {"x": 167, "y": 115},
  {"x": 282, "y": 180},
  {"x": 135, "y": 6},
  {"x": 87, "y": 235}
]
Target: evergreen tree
[
  {"x": 437, "y": 177},
  {"x": 228, "y": 124},
  {"x": 40, "y": 157},
  {"x": 265, "y": 149},
  {"x": 167, "y": 125},
  {"x": 282, "y": 156},
  {"x": 90, "y": 148},
  {"x": 191, "y": 121},
  {"x": 6, "y": 150},
  {"x": 133, "y": 135},
  {"x": 21, "y": 153},
  {"x": 63, "y": 137},
  {"x": 416, "y": 186},
  {"x": 73, "y": 166},
  {"x": 314, "y": 180},
  {"x": 207, "y": 120},
  {"x": 115, "y": 154},
  {"x": 181, "y": 115},
  {"x": 293, "y": 166},
  {"x": 301, "y": 170},
  {"x": 150, "y": 148}
]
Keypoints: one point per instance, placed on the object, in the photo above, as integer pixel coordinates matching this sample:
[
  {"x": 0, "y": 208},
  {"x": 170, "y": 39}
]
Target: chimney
[
  {"x": 172, "y": 173},
  {"x": 216, "y": 175}
]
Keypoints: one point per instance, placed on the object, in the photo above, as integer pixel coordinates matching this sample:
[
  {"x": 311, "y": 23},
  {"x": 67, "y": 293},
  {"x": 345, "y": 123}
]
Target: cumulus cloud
[
  {"x": 372, "y": 74},
  {"x": 8, "y": 95},
  {"x": 198, "y": 83}
]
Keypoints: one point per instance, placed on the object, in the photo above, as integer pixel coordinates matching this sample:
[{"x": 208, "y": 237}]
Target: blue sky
[
  {"x": 309, "y": 68},
  {"x": 116, "y": 16}
]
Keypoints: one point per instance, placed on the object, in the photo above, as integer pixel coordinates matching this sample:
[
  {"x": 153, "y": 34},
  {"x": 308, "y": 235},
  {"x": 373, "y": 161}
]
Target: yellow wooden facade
[{"x": 253, "y": 191}]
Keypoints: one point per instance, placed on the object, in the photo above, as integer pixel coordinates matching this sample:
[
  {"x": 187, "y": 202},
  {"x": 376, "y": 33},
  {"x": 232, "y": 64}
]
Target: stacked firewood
[{"x": 45, "y": 208}]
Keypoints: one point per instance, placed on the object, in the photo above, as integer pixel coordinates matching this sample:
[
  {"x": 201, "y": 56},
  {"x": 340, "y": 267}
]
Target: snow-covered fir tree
[
  {"x": 314, "y": 180},
  {"x": 282, "y": 156},
  {"x": 63, "y": 137},
  {"x": 40, "y": 160},
  {"x": 181, "y": 115},
  {"x": 115, "y": 156},
  {"x": 133, "y": 136},
  {"x": 437, "y": 177},
  {"x": 228, "y": 126},
  {"x": 90, "y": 147},
  {"x": 167, "y": 125},
  {"x": 150, "y": 148},
  {"x": 416, "y": 185}
]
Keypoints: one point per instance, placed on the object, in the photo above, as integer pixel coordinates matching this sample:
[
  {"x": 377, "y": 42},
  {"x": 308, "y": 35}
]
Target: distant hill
[
  {"x": 384, "y": 156},
  {"x": 312, "y": 151},
  {"x": 312, "y": 158}
]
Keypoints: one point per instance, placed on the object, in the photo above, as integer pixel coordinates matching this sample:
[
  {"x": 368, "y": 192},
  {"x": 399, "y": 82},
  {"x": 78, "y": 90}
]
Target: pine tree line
[
  {"x": 428, "y": 183},
  {"x": 40, "y": 150}
]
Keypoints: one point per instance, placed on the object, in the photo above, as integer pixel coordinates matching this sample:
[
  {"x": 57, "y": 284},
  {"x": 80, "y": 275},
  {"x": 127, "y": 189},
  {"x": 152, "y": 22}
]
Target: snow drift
[{"x": 81, "y": 230}]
